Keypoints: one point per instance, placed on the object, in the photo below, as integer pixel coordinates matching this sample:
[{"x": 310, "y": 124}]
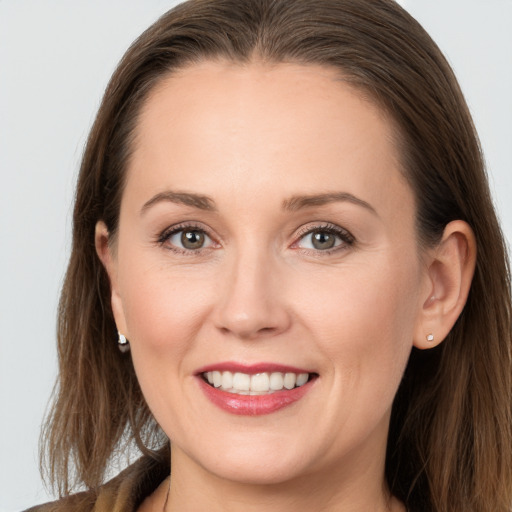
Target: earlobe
[
  {"x": 450, "y": 270},
  {"x": 105, "y": 254}
]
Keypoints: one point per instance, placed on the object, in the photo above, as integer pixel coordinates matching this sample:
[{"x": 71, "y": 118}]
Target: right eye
[{"x": 186, "y": 239}]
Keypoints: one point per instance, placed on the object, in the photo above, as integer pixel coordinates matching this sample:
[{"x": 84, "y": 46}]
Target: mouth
[
  {"x": 263, "y": 383},
  {"x": 254, "y": 390}
]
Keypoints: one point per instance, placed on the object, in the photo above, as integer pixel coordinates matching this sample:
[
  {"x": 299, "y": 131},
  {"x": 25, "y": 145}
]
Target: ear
[
  {"x": 106, "y": 253},
  {"x": 450, "y": 269}
]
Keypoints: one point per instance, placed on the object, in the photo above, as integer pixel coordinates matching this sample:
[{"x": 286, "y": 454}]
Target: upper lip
[{"x": 251, "y": 369}]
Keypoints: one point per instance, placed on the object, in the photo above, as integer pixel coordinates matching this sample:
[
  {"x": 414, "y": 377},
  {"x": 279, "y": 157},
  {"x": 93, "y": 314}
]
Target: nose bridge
[{"x": 250, "y": 305}]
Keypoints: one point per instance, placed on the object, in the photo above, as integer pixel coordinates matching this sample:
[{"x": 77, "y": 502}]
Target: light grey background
[{"x": 55, "y": 60}]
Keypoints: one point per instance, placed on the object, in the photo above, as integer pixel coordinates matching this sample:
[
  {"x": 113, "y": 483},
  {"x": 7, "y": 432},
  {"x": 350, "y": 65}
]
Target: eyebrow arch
[
  {"x": 295, "y": 203},
  {"x": 195, "y": 200}
]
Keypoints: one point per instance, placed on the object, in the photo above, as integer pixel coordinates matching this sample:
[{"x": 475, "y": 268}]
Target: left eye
[
  {"x": 190, "y": 239},
  {"x": 321, "y": 240}
]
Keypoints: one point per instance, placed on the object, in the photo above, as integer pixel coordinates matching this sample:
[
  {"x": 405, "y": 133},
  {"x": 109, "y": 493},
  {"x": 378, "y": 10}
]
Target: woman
[{"x": 295, "y": 247}]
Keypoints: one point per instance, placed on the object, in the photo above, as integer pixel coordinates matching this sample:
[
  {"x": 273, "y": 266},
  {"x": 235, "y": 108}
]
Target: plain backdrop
[{"x": 55, "y": 60}]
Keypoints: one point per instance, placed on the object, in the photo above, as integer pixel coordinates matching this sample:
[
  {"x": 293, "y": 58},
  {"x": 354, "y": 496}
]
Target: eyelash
[
  {"x": 165, "y": 236},
  {"x": 345, "y": 236},
  {"x": 347, "y": 239}
]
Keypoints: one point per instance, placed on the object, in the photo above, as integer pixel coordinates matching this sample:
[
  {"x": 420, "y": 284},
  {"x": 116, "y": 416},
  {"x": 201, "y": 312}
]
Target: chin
[
  {"x": 257, "y": 464},
  {"x": 261, "y": 472}
]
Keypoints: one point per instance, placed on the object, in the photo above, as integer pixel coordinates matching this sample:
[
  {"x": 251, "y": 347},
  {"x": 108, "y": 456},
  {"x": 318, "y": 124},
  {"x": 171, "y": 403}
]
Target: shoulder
[
  {"x": 81, "y": 502},
  {"x": 124, "y": 493}
]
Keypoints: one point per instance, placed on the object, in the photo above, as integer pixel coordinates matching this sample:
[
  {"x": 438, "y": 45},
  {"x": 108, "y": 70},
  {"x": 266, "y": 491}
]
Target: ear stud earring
[
  {"x": 122, "y": 343},
  {"x": 430, "y": 337}
]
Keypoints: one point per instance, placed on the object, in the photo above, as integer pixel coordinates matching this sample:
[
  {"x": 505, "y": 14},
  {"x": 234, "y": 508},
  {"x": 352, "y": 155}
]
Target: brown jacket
[{"x": 124, "y": 493}]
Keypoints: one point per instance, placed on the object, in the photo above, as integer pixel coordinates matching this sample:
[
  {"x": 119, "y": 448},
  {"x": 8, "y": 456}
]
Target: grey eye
[
  {"x": 190, "y": 239},
  {"x": 320, "y": 240}
]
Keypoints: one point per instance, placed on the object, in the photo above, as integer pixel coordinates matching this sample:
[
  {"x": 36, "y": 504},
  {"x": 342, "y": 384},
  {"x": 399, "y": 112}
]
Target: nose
[{"x": 250, "y": 303}]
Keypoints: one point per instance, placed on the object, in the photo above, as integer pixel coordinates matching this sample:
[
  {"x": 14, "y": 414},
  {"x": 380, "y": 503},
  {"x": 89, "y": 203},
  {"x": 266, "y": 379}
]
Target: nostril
[
  {"x": 250, "y": 315},
  {"x": 246, "y": 332}
]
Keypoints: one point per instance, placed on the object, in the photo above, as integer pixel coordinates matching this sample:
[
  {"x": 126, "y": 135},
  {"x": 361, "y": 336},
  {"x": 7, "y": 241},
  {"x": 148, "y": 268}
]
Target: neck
[{"x": 350, "y": 488}]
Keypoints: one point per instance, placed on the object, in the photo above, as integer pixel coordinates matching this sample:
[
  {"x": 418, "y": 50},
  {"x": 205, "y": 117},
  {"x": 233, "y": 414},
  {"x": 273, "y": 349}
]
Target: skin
[{"x": 250, "y": 138}]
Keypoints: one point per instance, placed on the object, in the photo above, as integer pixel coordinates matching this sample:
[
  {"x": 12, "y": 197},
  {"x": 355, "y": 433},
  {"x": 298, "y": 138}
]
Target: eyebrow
[
  {"x": 298, "y": 202},
  {"x": 195, "y": 200},
  {"x": 292, "y": 204}
]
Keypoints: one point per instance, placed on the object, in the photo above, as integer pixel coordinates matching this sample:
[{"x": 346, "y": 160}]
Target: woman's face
[{"x": 266, "y": 229}]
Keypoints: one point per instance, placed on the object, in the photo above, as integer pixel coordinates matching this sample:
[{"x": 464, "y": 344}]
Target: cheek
[
  {"x": 373, "y": 297},
  {"x": 364, "y": 318},
  {"x": 164, "y": 309},
  {"x": 157, "y": 296}
]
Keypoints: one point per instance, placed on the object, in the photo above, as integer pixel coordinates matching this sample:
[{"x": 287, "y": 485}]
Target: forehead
[
  {"x": 292, "y": 101},
  {"x": 288, "y": 128}
]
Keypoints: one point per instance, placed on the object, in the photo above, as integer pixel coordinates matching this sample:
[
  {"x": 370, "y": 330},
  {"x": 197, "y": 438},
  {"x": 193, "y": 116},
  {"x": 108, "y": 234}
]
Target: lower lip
[{"x": 253, "y": 405}]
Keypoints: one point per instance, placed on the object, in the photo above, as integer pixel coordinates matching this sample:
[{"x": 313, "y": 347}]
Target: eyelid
[
  {"x": 347, "y": 238},
  {"x": 164, "y": 236}
]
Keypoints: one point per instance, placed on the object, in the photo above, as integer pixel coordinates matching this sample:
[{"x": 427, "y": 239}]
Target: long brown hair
[{"x": 449, "y": 447}]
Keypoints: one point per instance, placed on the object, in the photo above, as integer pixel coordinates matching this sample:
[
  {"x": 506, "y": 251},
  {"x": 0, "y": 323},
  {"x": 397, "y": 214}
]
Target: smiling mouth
[{"x": 264, "y": 383}]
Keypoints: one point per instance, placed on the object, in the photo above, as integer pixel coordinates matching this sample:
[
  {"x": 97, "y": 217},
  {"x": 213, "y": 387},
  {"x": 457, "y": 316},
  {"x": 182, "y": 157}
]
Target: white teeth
[
  {"x": 241, "y": 381},
  {"x": 227, "y": 380},
  {"x": 257, "y": 384},
  {"x": 302, "y": 378},
  {"x": 276, "y": 381},
  {"x": 289, "y": 380},
  {"x": 217, "y": 379},
  {"x": 260, "y": 382}
]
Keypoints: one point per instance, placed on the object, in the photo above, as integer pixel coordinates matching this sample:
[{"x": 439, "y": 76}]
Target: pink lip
[
  {"x": 251, "y": 369},
  {"x": 252, "y": 405}
]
